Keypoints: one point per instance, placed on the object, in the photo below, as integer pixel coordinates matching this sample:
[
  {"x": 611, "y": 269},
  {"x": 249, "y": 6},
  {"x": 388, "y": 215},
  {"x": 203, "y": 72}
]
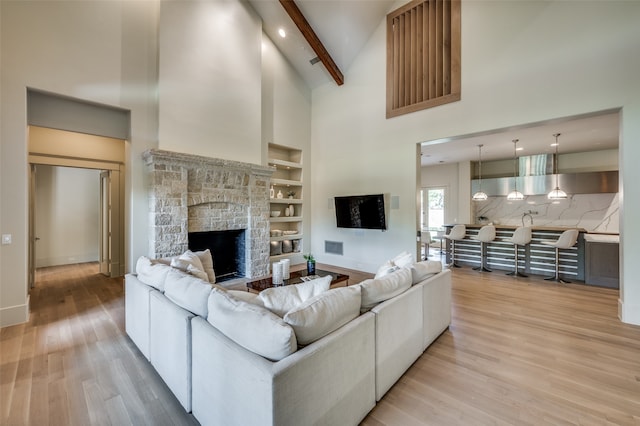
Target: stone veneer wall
[{"x": 190, "y": 193}]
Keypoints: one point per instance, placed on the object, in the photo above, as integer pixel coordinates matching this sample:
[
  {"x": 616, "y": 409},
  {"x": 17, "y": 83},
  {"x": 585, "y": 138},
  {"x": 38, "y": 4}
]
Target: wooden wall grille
[{"x": 423, "y": 56}]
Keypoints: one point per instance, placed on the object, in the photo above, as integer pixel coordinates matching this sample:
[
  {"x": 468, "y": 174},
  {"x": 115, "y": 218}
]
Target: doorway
[
  {"x": 432, "y": 208},
  {"x": 56, "y": 151}
]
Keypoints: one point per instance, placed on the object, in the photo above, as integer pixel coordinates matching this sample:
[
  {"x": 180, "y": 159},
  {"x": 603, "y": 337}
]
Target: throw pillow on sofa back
[{"x": 281, "y": 300}]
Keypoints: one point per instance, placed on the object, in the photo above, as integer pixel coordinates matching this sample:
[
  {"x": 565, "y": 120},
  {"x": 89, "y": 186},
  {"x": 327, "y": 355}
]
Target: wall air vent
[{"x": 333, "y": 247}]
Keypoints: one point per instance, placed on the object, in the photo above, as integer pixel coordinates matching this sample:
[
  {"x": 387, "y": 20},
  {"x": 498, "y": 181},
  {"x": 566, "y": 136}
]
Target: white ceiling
[
  {"x": 578, "y": 134},
  {"x": 343, "y": 27}
]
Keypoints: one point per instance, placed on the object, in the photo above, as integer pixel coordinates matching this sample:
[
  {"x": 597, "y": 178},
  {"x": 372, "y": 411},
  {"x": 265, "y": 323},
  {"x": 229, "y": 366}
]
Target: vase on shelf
[
  {"x": 279, "y": 195},
  {"x": 272, "y": 193},
  {"x": 291, "y": 210}
]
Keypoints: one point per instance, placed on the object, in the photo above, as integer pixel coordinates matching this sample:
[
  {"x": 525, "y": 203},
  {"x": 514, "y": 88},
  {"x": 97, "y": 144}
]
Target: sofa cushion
[
  {"x": 151, "y": 272},
  {"x": 252, "y": 327},
  {"x": 190, "y": 263},
  {"x": 324, "y": 313},
  {"x": 281, "y": 300},
  {"x": 378, "y": 290},
  {"x": 422, "y": 270},
  {"x": 188, "y": 292},
  {"x": 207, "y": 264}
]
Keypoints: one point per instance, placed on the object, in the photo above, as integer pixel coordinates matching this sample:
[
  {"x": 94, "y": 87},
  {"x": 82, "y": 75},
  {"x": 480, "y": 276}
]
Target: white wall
[
  {"x": 522, "y": 62},
  {"x": 210, "y": 77},
  {"x": 67, "y": 215},
  {"x": 286, "y": 118},
  {"x": 104, "y": 52}
]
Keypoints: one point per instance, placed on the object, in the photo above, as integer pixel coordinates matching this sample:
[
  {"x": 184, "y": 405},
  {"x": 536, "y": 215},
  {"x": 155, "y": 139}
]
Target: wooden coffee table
[{"x": 337, "y": 280}]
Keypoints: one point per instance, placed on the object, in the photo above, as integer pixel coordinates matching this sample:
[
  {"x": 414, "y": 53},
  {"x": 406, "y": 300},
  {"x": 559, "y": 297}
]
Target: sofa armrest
[
  {"x": 136, "y": 312},
  {"x": 399, "y": 337},
  {"x": 330, "y": 381},
  {"x": 436, "y": 305}
]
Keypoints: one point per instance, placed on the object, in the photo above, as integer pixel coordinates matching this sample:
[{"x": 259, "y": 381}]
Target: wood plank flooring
[{"x": 518, "y": 352}]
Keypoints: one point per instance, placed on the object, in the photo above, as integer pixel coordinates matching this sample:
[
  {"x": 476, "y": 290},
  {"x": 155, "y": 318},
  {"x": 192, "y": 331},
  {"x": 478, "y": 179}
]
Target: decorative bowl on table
[{"x": 275, "y": 213}]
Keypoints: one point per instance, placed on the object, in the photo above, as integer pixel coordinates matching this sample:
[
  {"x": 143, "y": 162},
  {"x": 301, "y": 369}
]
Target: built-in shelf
[
  {"x": 287, "y": 176},
  {"x": 285, "y": 201},
  {"x": 286, "y": 219}
]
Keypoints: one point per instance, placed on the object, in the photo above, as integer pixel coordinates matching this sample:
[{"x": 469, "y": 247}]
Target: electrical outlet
[{"x": 6, "y": 238}]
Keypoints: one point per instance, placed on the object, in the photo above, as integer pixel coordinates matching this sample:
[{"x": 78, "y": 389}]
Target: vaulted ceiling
[{"x": 343, "y": 27}]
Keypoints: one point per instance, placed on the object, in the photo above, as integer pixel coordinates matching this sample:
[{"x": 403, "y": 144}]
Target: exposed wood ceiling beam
[{"x": 298, "y": 18}]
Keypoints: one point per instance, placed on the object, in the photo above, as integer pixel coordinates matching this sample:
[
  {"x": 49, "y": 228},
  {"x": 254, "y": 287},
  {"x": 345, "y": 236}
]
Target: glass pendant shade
[
  {"x": 515, "y": 195},
  {"x": 480, "y": 195},
  {"x": 557, "y": 193}
]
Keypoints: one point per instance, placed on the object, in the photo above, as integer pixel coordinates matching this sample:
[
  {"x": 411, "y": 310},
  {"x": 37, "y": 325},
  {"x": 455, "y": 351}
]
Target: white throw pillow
[
  {"x": 252, "y": 327},
  {"x": 188, "y": 292},
  {"x": 151, "y": 272},
  {"x": 324, "y": 313},
  {"x": 422, "y": 270},
  {"x": 207, "y": 264},
  {"x": 386, "y": 269},
  {"x": 190, "y": 263},
  {"x": 403, "y": 259},
  {"x": 281, "y": 300},
  {"x": 246, "y": 296},
  {"x": 378, "y": 290}
]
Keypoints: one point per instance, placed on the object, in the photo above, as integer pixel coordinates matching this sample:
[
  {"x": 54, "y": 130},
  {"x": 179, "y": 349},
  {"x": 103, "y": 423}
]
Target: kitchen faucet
[{"x": 528, "y": 214}]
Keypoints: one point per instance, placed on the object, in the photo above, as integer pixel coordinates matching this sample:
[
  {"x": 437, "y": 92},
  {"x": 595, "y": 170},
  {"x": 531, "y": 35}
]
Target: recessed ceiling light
[
  {"x": 282, "y": 32},
  {"x": 519, "y": 149}
]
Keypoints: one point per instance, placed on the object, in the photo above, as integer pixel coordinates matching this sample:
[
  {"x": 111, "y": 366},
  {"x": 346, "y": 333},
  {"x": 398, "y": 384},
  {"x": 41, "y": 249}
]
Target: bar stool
[
  {"x": 425, "y": 242},
  {"x": 521, "y": 237},
  {"x": 486, "y": 234},
  {"x": 457, "y": 234},
  {"x": 566, "y": 240}
]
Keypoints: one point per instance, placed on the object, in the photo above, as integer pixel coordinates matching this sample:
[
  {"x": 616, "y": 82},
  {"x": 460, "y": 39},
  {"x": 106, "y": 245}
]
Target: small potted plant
[
  {"x": 291, "y": 194},
  {"x": 311, "y": 264}
]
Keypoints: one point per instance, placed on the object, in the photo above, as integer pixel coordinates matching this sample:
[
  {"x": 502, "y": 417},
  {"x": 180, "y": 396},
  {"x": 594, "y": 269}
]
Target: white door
[
  {"x": 433, "y": 208},
  {"x": 105, "y": 223}
]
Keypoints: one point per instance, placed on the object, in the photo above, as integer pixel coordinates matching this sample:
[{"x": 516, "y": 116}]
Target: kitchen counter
[
  {"x": 535, "y": 258},
  {"x": 534, "y": 228},
  {"x": 602, "y": 238}
]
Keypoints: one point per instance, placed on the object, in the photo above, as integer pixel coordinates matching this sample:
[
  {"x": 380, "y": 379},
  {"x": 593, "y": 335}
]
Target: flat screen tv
[{"x": 361, "y": 211}]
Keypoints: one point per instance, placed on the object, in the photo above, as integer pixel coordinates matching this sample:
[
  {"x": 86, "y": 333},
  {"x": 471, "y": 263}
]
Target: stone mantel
[{"x": 192, "y": 193}]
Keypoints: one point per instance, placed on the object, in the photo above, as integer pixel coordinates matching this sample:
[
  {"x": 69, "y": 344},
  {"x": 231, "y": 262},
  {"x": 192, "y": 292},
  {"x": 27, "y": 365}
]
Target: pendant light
[
  {"x": 557, "y": 193},
  {"x": 515, "y": 195},
  {"x": 479, "y": 196}
]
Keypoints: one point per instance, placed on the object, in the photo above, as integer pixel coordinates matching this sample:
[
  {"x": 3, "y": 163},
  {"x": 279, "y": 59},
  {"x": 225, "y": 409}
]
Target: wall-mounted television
[{"x": 361, "y": 211}]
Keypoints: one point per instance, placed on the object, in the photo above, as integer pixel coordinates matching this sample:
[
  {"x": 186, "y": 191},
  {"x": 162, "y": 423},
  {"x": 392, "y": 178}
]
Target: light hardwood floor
[{"x": 518, "y": 352}]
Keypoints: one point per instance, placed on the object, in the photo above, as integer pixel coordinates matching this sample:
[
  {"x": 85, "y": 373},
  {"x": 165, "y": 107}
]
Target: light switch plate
[{"x": 6, "y": 238}]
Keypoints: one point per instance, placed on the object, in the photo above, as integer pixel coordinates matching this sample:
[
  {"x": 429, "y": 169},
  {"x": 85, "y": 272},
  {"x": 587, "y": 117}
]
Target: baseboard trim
[
  {"x": 13, "y": 315},
  {"x": 628, "y": 313}
]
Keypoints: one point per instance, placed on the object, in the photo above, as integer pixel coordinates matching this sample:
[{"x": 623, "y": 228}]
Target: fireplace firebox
[{"x": 227, "y": 249}]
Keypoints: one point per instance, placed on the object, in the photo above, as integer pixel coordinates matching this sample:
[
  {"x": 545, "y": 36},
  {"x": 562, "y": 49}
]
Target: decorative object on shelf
[
  {"x": 275, "y": 213},
  {"x": 557, "y": 193},
  {"x": 291, "y": 194},
  {"x": 279, "y": 194},
  {"x": 287, "y": 212},
  {"x": 311, "y": 263},
  {"x": 480, "y": 195},
  {"x": 277, "y": 273},
  {"x": 272, "y": 192},
  {"x": 292, "y": 211},
  {"x": 515, "y": 195},
  {"x": 286, "y": 263}
]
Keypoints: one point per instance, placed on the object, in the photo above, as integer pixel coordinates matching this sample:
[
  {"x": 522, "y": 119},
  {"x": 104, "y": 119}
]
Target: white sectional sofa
[{"x": 230, "y": 361}]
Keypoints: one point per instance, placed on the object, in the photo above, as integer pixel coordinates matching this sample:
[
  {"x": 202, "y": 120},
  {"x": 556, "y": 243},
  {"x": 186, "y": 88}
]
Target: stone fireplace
[{"x": 195, "y": 194}]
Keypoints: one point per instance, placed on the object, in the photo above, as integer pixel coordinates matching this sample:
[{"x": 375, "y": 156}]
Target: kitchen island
[{"x": 535, "y": 258}]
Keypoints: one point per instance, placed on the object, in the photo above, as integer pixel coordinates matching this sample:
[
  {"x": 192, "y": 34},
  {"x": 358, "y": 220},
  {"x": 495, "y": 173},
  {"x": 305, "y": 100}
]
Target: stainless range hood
[{"x": 536, "y": 178}]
